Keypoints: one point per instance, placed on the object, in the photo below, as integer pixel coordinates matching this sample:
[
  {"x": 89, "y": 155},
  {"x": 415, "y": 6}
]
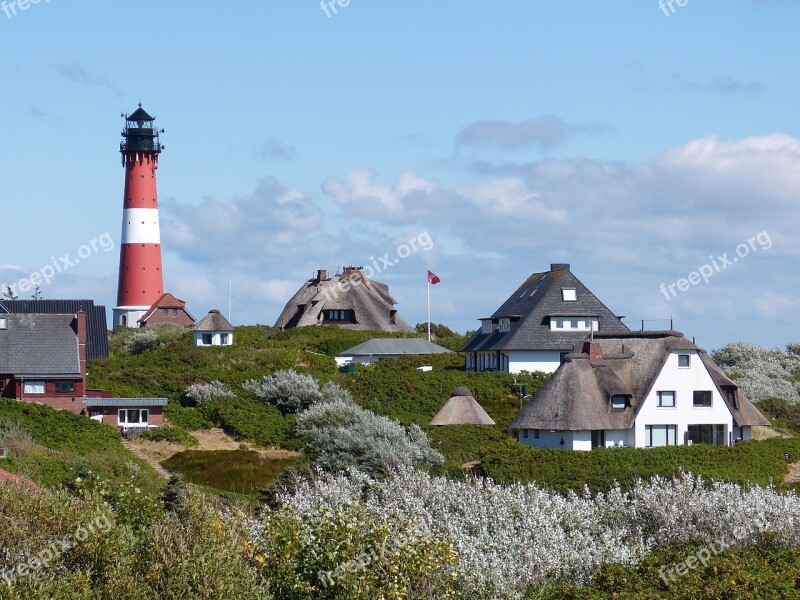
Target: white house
[
  {"x": 640, "y": 389},
  {"x": 538, "y": 324},
  {"x": 213, "y": 330}
]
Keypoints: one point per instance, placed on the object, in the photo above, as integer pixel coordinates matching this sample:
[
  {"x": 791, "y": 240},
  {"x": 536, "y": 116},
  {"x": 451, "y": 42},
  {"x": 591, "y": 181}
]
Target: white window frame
[
  {"x": 569, "y": 294},
  {"x": 670, "y": 433},
  {"x": 710, "y": 396},
  {"x": 223, "y": 339},
  {"x": 688, "y": 364},
  {"x": 486, "y": 326},
  {"x": 207, "y": 336},
  {"x": 505, "y": 325},
  {"x": 143, "y": 412},
  {"x": 660, "y": 399},
  {"x": 614, "y": 406},
  {"x": 31, "y": 384},
  {"x": 3, "y": 323}
]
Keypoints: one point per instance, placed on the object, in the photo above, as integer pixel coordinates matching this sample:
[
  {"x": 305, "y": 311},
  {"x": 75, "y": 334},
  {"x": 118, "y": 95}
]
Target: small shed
[
  {"x": 462, "y": 409},
  {"x": 213, "y": 330}
]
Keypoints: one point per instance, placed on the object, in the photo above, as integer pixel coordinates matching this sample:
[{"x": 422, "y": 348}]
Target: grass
[{"x": 238, "y": 471}]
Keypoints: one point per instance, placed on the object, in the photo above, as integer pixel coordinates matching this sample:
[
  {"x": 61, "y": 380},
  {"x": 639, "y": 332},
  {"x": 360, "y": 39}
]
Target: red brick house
[
  {"x": 167, "y": 309},
  {"x": 43, "y": 360}
]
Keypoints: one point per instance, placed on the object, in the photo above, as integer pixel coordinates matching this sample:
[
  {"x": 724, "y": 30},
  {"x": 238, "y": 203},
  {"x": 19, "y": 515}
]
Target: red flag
[{"x": 433, "y": 278}]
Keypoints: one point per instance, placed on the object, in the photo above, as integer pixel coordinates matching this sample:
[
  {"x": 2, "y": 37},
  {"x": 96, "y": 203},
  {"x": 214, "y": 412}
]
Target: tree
[
  {"x": 9, "y": 294},
  {"x": 37, "y": 293}
]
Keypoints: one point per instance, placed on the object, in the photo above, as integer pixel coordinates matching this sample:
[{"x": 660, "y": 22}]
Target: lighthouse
[{"x": 141, "y": 281}]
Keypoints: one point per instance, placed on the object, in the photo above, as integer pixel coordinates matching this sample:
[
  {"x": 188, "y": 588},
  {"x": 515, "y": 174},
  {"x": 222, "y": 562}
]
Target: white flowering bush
[
  {"x": 509, "y": 540},
  {"x": 340, "y": 434},
  {"x": 289, "y": 390},
  {"x": 142, "y": 341},
  {"x": 762, "y": 372},
  {"x": 208, "y": 392}
]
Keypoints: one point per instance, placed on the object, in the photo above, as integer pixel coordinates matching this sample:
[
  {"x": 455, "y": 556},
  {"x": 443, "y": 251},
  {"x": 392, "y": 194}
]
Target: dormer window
[
  {"x": 486, "y": 327},
  {"x": 619, "y": 402},
  {"x": 3, "y": 323},
  {"x": 505, "y": 325},
  {"x": 569, "y": 295}
]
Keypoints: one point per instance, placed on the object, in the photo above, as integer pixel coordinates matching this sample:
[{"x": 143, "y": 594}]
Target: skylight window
[
  {"x": 569, "y": 295},
  {"x": 523, "y": 294}
]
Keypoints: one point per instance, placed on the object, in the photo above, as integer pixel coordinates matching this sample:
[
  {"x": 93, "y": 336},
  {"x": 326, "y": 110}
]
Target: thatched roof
[
  {"x": 530, "y": 308},
  {"x": 462, "y": 409},
  {"x": 214, "y": 321},
  {"x": 367, "y": 302},
  {"x": 578, "y": 395}
]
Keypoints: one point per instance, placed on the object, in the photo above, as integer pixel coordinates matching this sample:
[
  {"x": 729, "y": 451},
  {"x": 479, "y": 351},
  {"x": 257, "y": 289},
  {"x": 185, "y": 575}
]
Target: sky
[{"x": 655, "y": 148}]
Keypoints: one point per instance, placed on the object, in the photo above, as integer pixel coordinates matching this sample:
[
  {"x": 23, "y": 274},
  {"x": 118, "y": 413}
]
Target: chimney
[
  {"x": 322, "y": 275},
  {"x": 81, "y": 318},
  {"x": 594, "y": 350},
  {"x": 559, "y": 267}
]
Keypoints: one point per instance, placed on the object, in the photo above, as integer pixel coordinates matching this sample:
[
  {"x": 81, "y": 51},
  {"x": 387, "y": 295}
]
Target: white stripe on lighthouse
[{"x": 140, "y": 226}]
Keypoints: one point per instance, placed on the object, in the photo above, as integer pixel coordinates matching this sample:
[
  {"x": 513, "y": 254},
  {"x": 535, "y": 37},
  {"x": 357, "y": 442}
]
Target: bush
[
  {"x": 205, "y": 392},
  {"x": 761, "y": 372},
  {"x": 340, "y": 435},
  {"x": 189, "y": 419},
  {"x": 175, "y": 435},
  {"x": 142, "y": 341},
  {"x": 288, "y": 390}
]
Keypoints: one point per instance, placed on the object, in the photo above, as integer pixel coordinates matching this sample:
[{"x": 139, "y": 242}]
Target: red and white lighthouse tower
[{"x": 141, "y": 281}]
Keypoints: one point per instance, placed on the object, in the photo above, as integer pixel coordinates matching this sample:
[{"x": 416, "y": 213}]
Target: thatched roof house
[
  {"x": 213, "y": 330},
  {"x": 462, "y": 409},
  {"x": 349, "y": 300},
  {"x": 544, "y": 318},
  {"x": 638, "y": 389}
]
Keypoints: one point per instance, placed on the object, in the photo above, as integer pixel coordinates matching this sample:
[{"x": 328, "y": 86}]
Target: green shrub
[
  {"x": 189, "y": 419},
  {"x": 175, "y": 435},
  {"x": 142, "y": 341}
]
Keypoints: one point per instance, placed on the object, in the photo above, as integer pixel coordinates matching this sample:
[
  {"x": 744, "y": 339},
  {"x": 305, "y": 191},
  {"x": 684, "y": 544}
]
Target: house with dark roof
[
  {"x": 96, "y": 324},
  {"x": 213, "y": 330},
  {"x": 167, "y": 309},
  {"x": 43, "y": 359},
  {"x": 377, "y": 349},
  {"x": 538, "y": 324},
  {"x": 640, "y": 389},
  {"x": 349, "y": 300}
]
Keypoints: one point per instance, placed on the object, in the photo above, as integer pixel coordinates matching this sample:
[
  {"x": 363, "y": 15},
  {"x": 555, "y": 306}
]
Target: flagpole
[{"x": 428, "y": 279}]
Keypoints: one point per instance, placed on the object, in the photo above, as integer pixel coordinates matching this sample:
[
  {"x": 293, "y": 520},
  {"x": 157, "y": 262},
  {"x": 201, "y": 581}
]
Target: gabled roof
[
  {"x": 166, "y": 300},
  {"x": 462, "y": 409},
  {"x": 394, "y": 347},
  {"x": 96, "y": 324},
  {"x": 530, "y": 307},
  {"x": 577, "y": 396},
  {"x": 214, "y": 321},
  {"x": 373, "y": 306},
  {"x": 40, "y": 346}
]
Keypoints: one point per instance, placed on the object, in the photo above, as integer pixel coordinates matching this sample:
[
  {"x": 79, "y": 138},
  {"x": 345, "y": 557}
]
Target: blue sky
[{"x": 635, "y": 145}]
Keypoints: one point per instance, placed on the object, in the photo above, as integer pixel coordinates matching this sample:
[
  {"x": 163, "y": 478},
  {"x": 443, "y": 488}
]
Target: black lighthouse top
[{"x": 140, "y": 133}]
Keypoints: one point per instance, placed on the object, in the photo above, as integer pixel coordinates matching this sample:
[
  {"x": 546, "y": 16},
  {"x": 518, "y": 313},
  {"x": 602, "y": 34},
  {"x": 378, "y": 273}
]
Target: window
[
  {"x": 598, "y": 438},
  {"x": 3, "y": 324},
  {"x": 525, "y": 433},
  {"x": 702, "y": 399},
  {"x": 133, "y": 416},
  {"x": 505, "y": 325},
  {"x": 619, "y": 402},
  {"x": 223, "y": 339},
  {"x": 666, "y": 399},
  {"x": 486, "y": 327},
  {"x": 34, "y": 386},
  {"x": 683, "y": 360},
  {"x": 660, "y": 435},
  {"x": 338, "y": 315},
  {"x": 573, "y": 323},
  {"x": 569, "y": 295},
  {"x": 64, "y": 387},
  {"x": 207, "y": 341},
  {"x": 536, "y": 434},
  {"x": 706, "y": 434}
]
